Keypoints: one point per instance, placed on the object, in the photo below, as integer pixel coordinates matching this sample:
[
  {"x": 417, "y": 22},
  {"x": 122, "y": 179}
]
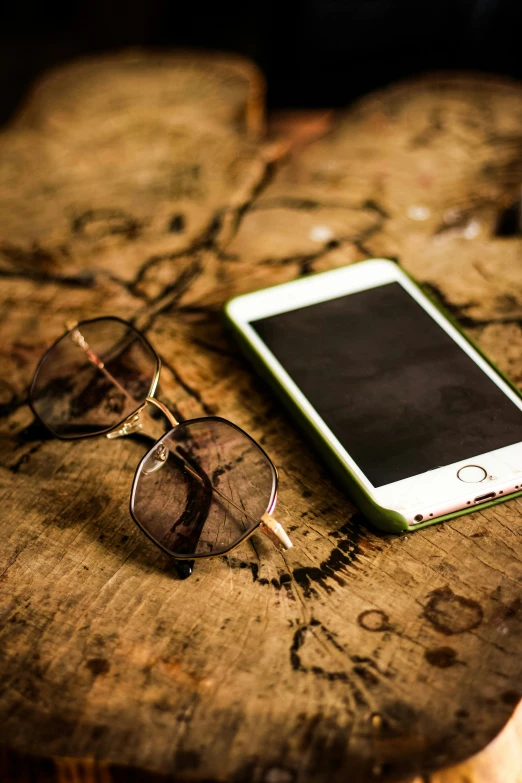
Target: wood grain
[{"x": 354, "y": 656}]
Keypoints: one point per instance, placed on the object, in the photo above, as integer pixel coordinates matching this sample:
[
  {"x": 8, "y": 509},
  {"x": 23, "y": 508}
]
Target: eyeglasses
[{"x": 203, "y": 488}]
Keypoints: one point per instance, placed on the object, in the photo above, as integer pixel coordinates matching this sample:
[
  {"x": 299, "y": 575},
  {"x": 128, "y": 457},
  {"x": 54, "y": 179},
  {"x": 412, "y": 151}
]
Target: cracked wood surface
[{"x": 139, "y": 187}]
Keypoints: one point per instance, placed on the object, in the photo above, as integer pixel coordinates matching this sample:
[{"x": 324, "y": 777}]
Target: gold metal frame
[{"x": 133, "y": 423}]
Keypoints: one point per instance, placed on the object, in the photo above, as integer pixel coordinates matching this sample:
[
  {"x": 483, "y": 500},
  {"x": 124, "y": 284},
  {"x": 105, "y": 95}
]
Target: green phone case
[{"x": 383, "y": 518}]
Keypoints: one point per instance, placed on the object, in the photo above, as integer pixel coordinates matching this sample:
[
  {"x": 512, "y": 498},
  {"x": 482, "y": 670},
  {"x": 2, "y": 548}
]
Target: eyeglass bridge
[
  {"x": 134, "y": 422},
  {"x": 130, "y": 425}
]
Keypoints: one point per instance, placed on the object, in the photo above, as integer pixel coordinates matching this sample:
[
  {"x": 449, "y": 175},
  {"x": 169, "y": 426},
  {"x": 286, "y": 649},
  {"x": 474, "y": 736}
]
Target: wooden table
[{"x": 145, "y": 187}]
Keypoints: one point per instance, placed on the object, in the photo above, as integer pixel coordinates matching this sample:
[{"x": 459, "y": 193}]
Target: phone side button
[{"x": 472, "y": 474}]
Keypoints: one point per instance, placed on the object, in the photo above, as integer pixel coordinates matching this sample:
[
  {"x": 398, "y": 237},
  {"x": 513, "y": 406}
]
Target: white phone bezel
[{"x": 419, "y": 497}]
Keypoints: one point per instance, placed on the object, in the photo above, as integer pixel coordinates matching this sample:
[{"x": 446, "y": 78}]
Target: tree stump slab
[{"x": 140, "y": 187}]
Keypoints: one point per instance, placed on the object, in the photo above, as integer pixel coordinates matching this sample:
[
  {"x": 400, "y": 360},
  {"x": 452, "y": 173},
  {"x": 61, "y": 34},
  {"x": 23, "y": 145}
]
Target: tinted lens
[
  {"x": 202, "y": 488},
  {"x": 93, "y": 378}
]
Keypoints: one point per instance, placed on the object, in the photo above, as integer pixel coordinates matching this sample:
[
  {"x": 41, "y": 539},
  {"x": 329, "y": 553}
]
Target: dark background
[{"x": 314, "y": 53}]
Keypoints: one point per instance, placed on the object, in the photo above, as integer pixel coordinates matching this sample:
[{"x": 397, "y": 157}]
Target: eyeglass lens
[
  {"x": 93, "y": 378},
  {"x": 202, "y": 488}
]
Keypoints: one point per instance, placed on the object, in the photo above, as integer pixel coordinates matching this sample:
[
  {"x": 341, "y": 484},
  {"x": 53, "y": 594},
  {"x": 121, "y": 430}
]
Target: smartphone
[{"x": 417, "y": 423}]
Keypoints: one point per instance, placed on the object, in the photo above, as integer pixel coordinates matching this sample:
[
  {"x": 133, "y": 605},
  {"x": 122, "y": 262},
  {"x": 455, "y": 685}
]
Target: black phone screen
[{"x": 399, "y": 394}]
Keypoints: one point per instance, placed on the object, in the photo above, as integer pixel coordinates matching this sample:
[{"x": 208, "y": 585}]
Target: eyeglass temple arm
[
  {"x": 133, "y": 422},
  {"x": 79, "y": 340},
  {"x": 275, "y": 532},
  {"x": 273, "y": 529},
  {"x": 269, "y": 526}
]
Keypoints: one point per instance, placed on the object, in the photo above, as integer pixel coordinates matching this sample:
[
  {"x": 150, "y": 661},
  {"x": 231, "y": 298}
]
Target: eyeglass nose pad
[{"x": 156, "y": 460}]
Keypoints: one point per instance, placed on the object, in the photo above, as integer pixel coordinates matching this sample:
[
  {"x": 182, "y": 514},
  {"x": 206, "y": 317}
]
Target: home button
[{"x": 472, "y": 474}]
